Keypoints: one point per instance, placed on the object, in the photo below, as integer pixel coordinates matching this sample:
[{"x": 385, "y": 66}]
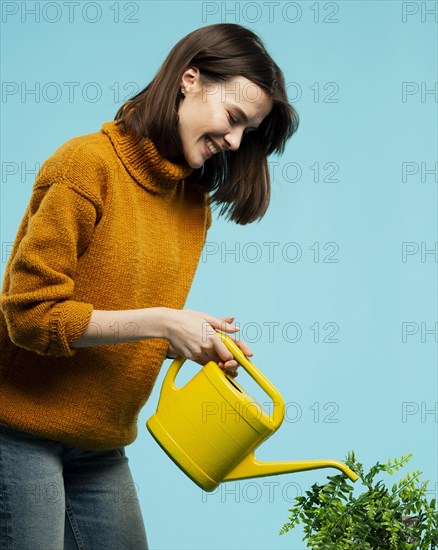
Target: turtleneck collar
[{"x": 145, "y": 164}]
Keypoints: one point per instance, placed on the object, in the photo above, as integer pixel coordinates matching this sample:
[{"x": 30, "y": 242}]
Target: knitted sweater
[{"x": 109, "y": 226}]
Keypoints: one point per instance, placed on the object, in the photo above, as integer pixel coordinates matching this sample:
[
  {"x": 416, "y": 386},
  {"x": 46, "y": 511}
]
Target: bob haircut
[{"x": 238, "y": 181}]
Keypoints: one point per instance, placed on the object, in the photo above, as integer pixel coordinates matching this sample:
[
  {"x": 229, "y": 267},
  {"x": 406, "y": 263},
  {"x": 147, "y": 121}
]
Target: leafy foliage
[{"x": 396, "y": 518}]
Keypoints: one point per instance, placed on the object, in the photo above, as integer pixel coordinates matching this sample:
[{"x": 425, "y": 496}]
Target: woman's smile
[{"x": 211, "y": 146}]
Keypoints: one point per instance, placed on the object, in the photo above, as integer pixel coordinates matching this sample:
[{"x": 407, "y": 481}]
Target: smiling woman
[
  {"x": 218, "y": 82},
  {"x": 105, "y": 254}
]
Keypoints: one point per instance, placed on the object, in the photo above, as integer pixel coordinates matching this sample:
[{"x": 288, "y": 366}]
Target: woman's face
[{"x": 212, "y": 116}]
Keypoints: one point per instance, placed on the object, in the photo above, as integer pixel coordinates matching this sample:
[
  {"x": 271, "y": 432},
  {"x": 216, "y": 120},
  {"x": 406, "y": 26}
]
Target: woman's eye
[{"x": 231, "y": 119}]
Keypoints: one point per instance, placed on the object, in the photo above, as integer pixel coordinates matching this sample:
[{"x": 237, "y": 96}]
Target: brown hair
[{"x": 238, "y": 180}]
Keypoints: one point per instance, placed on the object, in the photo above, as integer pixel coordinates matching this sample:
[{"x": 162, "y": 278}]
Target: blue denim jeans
[{"x": 57, "y": 497}]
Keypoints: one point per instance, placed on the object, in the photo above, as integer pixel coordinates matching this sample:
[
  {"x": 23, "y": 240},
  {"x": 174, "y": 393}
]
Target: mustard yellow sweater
[{"x": 109, "y": 226}]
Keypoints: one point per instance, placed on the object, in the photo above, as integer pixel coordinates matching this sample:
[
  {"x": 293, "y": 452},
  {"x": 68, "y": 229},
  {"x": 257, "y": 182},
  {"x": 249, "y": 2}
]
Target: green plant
[{"x": 380, "y": 518}]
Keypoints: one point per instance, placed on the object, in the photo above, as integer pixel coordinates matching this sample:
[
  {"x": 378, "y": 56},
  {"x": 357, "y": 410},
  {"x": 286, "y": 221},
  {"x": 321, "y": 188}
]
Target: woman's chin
[{"x": 196, "y": 163}]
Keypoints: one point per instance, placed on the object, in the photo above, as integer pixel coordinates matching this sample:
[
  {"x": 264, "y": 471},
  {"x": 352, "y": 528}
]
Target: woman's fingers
[
  {"x": 226, "y": 326},
  {"x": 233, "y": 364},
  {"x": 244, "y": 347},
  {"x": 230, "y": 364},
  {"x": 230, "y": 367},
  {"x": 232, "y": 373},
  {"x": 211, "y": 347},
  {"x": 219, "y": 348},
  {"x": 223, "y": 323}
]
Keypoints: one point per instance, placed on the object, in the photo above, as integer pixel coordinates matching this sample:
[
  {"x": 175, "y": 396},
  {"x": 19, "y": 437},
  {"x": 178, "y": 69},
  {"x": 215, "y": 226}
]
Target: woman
[{"x": 94, "y": 289}]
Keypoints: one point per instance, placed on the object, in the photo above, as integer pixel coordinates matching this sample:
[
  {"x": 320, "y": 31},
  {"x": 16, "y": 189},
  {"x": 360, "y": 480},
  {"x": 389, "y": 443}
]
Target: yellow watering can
[{"x": 211, "y": 427}]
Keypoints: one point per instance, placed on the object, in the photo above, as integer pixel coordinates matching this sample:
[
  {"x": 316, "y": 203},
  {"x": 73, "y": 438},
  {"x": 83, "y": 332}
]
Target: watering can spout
[{"x": 251, "y": 467}]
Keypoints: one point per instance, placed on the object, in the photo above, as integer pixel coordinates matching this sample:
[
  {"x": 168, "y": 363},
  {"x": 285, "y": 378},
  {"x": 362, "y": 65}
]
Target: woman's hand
[{"x": 192, "y": 334}]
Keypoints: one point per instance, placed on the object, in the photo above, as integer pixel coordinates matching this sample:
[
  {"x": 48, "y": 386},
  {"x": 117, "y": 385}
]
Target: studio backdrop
[{"x": 335, "y": 289}]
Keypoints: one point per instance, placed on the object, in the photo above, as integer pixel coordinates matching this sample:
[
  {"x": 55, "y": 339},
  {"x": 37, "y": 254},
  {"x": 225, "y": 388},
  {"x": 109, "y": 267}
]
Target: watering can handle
[
  {"x": 168, "y": 387},
  {"x": 277, "y": 415}
]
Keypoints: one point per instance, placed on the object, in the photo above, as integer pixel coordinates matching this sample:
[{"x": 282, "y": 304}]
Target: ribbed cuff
[{"x": 68, "y": 321}]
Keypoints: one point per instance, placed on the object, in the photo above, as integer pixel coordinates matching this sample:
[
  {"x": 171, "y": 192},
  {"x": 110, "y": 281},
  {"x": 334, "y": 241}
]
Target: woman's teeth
[{"x": 211, "y": 146}]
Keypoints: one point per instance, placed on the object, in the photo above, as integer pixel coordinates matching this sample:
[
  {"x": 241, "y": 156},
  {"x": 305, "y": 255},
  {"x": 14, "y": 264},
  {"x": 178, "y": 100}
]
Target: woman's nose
[{"x": 233, "y": 139}]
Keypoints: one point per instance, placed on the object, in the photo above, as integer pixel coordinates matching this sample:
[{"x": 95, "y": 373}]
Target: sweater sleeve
[{"x": 38, "y": 296}]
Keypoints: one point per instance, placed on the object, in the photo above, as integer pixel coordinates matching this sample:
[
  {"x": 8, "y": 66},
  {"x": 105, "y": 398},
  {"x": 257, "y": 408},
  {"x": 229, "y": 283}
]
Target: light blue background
[{"x": 342, "y": 395}]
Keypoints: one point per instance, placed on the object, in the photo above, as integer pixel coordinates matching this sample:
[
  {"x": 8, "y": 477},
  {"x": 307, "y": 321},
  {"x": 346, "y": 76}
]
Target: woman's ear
[{"x": 190, "y": 78}]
